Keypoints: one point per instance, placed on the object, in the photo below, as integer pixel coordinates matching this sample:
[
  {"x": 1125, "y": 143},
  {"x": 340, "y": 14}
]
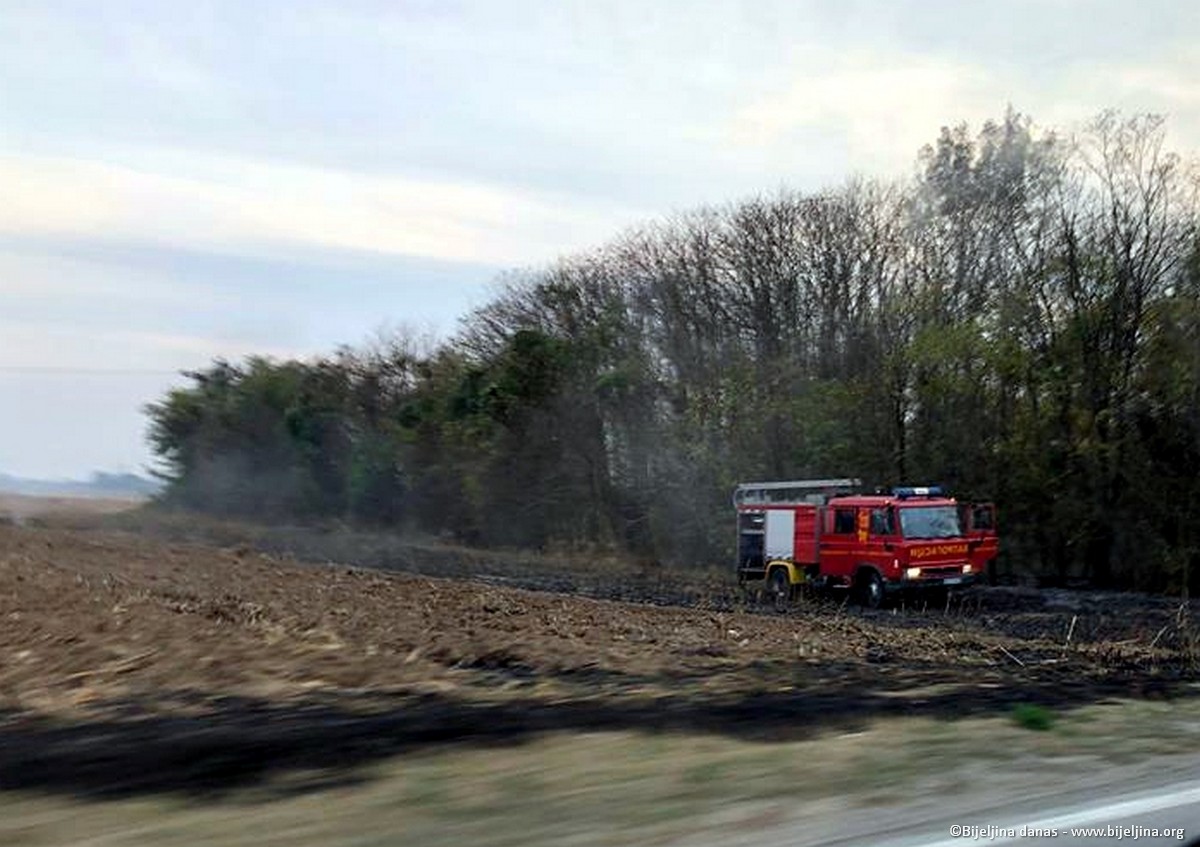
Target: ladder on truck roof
[{"x": 810, "y": 491}]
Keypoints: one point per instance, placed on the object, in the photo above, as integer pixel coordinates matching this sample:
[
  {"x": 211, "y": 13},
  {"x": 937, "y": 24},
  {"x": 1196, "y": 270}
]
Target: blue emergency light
[{"x": 917, "y": 491}]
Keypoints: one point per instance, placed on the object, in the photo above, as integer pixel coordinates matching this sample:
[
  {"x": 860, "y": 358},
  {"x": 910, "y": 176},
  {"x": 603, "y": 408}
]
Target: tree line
[{"x": 1019, "y": 321}]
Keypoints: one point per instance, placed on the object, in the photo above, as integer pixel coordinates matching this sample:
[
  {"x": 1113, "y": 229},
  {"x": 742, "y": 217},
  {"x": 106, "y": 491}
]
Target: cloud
[
  {"x": 1166, "y": 85},
  {"x": 150, "y": 57},
  {"x": 194, "y": 200},
  {"x": 33, "y": 276},
  {"x": 54, "y": 346},
  {"x": 879, "y": 107}
]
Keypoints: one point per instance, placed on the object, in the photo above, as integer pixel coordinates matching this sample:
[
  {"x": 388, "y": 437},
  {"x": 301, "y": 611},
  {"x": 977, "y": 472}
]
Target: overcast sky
[{"x": 182, "y": 180}]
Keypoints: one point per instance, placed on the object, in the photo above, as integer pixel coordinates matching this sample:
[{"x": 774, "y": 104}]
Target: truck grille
[{"x": 941, "y": 572}]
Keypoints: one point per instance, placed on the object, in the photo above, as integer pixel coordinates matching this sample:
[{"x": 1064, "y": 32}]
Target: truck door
[
  {"x": 882, "y": 541},
  {"x": 838, "y": 542},
  {"x": 979, "y": 526}
]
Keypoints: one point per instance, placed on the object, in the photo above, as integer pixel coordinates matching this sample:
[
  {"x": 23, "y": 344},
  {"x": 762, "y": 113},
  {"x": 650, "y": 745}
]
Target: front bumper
[{"x": 956, "y": 580}]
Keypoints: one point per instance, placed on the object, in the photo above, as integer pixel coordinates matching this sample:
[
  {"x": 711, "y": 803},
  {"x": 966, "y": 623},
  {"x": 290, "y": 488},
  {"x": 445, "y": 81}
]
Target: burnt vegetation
[{"x": 1020, "y": 321}]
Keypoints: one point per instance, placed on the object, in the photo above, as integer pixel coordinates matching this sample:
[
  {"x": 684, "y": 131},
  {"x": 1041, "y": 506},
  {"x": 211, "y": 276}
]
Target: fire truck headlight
[
  {"x": 967, "y": 568},
  {"x": 912, "y": 573}
]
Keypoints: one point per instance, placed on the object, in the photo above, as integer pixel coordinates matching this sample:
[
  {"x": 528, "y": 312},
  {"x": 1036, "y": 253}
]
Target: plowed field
[{"x": 130, "y": 664}]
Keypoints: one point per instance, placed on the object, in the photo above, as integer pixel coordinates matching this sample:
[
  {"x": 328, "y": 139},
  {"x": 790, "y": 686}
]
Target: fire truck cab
[{"x": 825, "y": 534}]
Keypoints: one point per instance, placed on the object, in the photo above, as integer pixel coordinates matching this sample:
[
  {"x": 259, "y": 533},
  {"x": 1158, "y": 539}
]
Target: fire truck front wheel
[{"x": 869, "y": 586}]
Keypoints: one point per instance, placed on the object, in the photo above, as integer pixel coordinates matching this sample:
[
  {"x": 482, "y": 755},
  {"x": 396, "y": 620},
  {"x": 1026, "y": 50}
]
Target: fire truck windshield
[{"x": 929, "y": 522}]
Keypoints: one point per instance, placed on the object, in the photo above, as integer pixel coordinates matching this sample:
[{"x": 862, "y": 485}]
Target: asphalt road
[
  {"x": 1092, "y": 806},
  {"x": 1167, "y": 815}
]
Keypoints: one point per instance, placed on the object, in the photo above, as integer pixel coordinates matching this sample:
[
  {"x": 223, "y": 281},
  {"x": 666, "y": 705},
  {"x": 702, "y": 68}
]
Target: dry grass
[
  {"x": 19, "y": 509},
  {"x": 627, "y": 788}
]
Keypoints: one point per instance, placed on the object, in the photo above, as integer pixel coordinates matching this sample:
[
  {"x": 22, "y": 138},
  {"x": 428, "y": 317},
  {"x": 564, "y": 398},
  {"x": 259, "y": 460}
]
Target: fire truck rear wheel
[
  {"x": 870, "y": 588},
  {"x": 779, "y": 588}
]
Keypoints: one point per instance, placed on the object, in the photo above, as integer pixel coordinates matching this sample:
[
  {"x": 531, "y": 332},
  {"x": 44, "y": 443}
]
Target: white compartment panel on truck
[{"x": 781, "y": 534}]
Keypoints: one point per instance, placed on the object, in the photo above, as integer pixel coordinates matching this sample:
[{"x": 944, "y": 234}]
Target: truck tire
[
  {"x": 779, "y": 589},
  {"x": 869, "y": 585}
]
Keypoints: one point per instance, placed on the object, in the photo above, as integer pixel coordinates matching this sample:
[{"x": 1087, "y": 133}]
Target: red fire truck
[{"x": 826, "y": 534}]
